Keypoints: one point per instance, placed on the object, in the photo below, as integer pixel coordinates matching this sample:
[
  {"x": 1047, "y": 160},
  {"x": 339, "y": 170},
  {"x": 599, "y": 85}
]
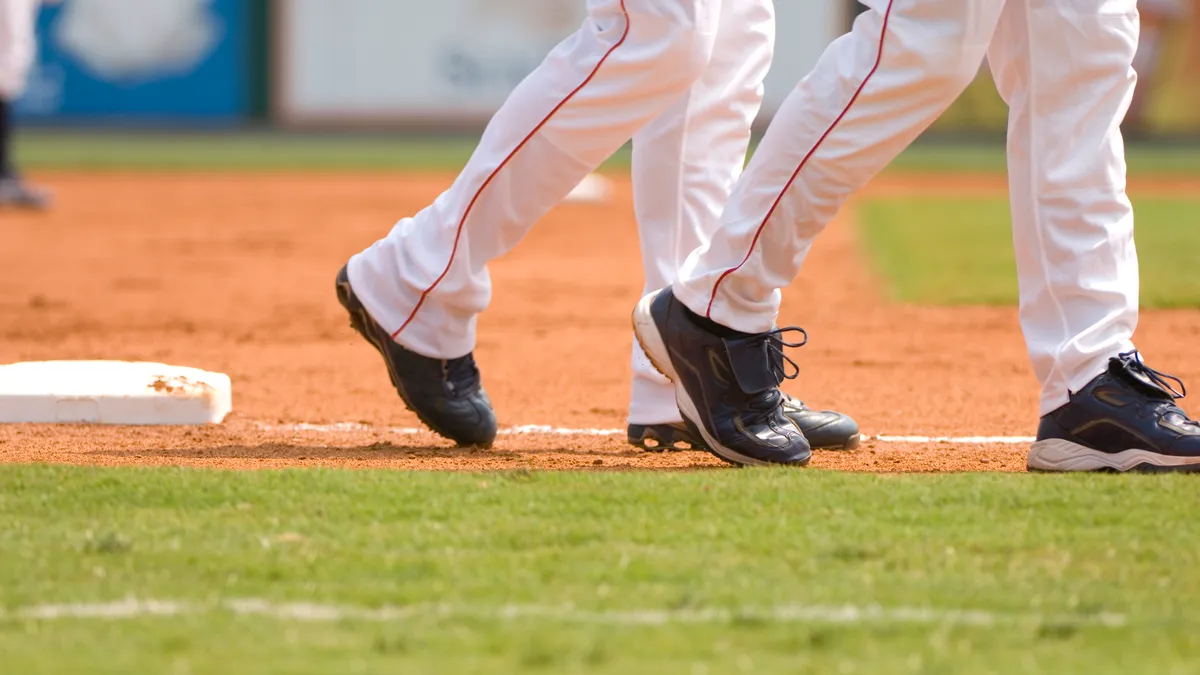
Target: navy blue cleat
[
  {"x": 1125, "y": 419},
  {"x": 665, "y": 437},
  {"x": 824, "y": 429},
  {"x": 727, "y": 388},
  {"x": 447, "y": 395}
]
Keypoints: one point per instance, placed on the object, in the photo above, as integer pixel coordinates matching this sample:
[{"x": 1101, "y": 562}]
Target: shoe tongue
[
  {"x": 462, "y": 372},
  {"x": 750, "y": 360},
  {"x": 1122, "y": 369}
]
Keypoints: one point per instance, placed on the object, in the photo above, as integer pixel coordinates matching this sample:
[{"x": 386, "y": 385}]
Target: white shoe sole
[
  {"x": 646, "y": 331},
  {"x": 1064, "y": 456}
]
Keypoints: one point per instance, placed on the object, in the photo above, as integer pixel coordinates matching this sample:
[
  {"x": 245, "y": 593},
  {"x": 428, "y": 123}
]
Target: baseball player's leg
[
  {"x": 426, "y": 280},
  {"x": 17, "y": 42},
  {"x": 6, "y": 161},
  {"x": 17, "y": 45},
  {"x": 415, "y": 293},
  {"x": 1066, "y": 71},
  {"x": 870, "y": 95},
  {"x": 685, "y": 164},
  {"x": 872, "y": 92}
]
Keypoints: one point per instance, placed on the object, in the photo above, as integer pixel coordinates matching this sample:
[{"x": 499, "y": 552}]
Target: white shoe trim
[{"x": 1056, "y": 454}]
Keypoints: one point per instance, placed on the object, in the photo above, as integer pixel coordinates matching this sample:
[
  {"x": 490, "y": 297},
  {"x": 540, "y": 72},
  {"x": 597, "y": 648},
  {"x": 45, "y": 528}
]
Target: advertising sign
[{"x": 139, "y": 60}]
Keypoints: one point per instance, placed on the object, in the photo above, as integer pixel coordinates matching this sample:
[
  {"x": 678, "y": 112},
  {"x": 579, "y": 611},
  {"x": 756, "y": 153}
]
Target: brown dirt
[{"x": 233, "y": 272}]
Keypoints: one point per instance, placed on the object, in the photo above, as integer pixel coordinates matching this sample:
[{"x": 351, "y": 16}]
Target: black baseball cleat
[
  {"x": 1123, "y": 420},
  {"x": 824, "y": 429},
  {"x": 728, "y": 388},
  {"x": 665, "y": 437},
  {"x": 446, "y": 395}
]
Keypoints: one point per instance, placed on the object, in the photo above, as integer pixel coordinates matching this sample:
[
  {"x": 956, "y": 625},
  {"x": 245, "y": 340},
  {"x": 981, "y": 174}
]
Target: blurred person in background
[
  {"x": 1157, "y": 16},
  {"x": 18, "y": 42}
]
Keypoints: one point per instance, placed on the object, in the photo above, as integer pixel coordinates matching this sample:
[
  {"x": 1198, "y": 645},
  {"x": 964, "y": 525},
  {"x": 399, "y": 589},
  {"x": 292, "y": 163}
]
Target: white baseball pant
[
  {"x": 685, "y": 164},
  {"x": 18, "y": 42},
  {"x": 683, "y": 78},
  {"x": 1063, "y": 66}
]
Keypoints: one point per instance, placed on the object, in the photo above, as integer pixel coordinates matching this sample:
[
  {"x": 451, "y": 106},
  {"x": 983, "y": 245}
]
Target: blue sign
[{"x": 141, "y": 60}]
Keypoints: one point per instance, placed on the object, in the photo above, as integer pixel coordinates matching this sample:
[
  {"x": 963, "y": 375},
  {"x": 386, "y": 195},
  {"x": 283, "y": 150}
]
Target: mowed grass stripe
[
  {"x": 953, "y": 250},
  {"x": 1059, "y": 551},
  {"x": 133, "y": 608}
]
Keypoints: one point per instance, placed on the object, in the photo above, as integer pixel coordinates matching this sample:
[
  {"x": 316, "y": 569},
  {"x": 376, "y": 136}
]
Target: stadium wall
[
  {"x": 442, "y": 66},
  {"x": 377, "y": 63}
]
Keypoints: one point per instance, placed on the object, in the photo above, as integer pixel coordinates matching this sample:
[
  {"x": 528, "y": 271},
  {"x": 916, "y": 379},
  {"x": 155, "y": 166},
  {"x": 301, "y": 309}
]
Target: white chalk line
[
  {"x": 312, "y": 612},
  {"x": 523, "y": 430},
  {"x": 964, "y": 440},
  {"x": 549, "y": 430}
]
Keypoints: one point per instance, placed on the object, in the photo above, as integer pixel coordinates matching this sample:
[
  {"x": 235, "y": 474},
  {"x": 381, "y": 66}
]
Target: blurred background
[{"x": 269, "y": 66}]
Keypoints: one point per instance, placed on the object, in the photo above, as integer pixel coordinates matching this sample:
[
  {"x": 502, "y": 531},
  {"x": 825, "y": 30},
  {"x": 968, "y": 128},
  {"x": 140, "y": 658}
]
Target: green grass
[
  {"x": 954, "y": 251},
  {"x": 76, "y": 150},
  {"x": 939, "y": 156},
  {"x": 1044, "y": 556},
  {"x": 269, "y": 150},
  {"x": 254, "y": 151}
]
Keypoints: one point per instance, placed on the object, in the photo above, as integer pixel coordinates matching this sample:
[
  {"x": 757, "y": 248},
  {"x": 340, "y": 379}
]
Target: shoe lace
[
  {"x": 761, "y": 407},
  {"x": 779, "y": 360},
  {"x": 1134, "y": 358},
  {"x": 1164, "y": 407}
]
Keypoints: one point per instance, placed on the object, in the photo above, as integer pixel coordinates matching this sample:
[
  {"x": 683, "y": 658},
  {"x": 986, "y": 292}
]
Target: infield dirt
[{"x": 234, "y": 272}]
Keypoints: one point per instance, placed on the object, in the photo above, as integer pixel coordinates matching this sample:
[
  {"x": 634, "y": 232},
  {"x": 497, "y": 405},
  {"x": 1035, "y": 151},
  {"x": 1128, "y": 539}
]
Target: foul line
[
  {"x": 549, "y": 430},
  {"x": 310, "y": 612},
  {"x": 523, "y": 430},
  {"x": 965, "y": 440}
]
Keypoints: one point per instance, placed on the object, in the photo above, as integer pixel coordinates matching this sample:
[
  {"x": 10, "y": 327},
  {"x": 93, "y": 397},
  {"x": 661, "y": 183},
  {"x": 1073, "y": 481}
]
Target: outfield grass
[
  {"x": 958, "y": 250},
  {"x": 268, "y": 150},
  {"x": 608, "y": 573},
  {"x": 111, "y": 150}
]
